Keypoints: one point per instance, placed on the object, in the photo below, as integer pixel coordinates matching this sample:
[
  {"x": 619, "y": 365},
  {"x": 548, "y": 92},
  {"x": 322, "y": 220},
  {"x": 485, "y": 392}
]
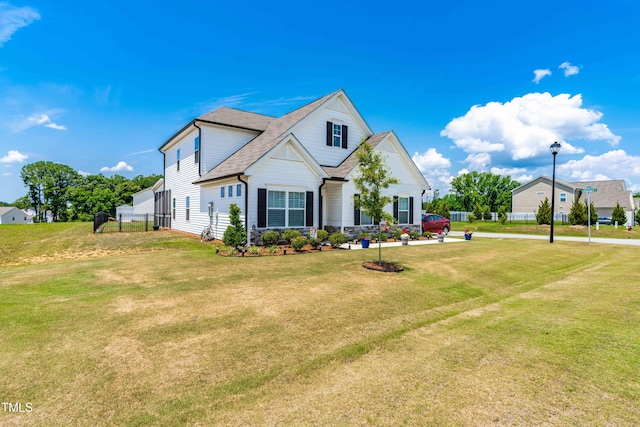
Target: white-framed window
[
  {"x": 285, "y": 209},
  {"x": 222, "y": 192},
  {"x": 196, "y": 149},
  {"x": 365, "y": 219},
  {"x": 403, "y": 210},
  {"x": 230, "y": 191},
  {"x": 238, "y": 190},
  {"x": 178, "y": 159},
  {"x": 188, "y": 206},
  {"x": 174, "y": 208},
  {"x": 563, "y": 197},
  {"x": 337, "y": 135}
]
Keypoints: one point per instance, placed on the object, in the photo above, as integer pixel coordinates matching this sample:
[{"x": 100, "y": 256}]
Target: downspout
[
  {"x": 199, "y": 148},
  {"x": 246, "y": 209},
  {"x": 324, "y": 181}
]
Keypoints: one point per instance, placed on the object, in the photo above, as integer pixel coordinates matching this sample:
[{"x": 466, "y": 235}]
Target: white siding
[
  {"x": 282, "y": 175},
  {"x": 219, "y": 142},
  {"x": 143, "y": 202},
  {"x": 313, "y": 135},
  {"x": 332, "y": 201}
]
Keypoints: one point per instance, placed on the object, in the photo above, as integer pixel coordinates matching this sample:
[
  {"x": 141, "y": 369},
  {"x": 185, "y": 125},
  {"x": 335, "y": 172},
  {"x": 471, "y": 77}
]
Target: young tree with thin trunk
[{"x": 373, "y": 176}]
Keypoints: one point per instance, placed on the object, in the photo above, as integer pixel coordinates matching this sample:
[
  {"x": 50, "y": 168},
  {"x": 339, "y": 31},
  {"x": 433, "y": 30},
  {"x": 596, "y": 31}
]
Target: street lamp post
[{"x": 555, "y": 147}]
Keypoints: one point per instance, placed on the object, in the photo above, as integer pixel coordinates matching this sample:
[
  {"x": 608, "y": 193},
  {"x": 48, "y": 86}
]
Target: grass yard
[
  {"x": 155, "y": 329},
  {"x": 531, "y": 227}
]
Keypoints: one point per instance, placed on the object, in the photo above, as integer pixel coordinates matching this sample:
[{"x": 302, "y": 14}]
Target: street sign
[{"x": 590, "y": 189}]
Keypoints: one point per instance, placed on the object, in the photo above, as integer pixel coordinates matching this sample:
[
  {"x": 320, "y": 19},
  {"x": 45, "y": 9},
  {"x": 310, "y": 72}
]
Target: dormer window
[{"x": 337, "y": 135}]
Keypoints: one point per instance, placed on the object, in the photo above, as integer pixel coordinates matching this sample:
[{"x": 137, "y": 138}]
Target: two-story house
[{"x": 294, "y": 171}]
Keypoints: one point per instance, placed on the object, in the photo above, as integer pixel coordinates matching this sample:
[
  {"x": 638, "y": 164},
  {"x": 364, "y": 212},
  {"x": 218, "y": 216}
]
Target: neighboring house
[
  {"x": 124, "y": 213},
  {"x": 143, "y": 200},
  {"x": 13, "y": 215},
  {"x": 290, "y": 172},
  {"x": 527, "y": 197}
]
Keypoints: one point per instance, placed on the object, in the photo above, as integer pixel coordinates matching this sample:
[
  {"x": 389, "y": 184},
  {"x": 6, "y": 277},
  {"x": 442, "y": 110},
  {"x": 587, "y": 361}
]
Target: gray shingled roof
[
  {"x": 609, "y": 193},
  {"x": 238, "y": 118},
  {"x": 251, "y": 152},
  {"x": 347, "y": 165}
]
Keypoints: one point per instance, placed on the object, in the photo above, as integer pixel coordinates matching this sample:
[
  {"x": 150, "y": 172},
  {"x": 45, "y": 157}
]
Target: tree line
[
  {"x": 67, "y": 195},
  {"x": 478, "y": 192}
]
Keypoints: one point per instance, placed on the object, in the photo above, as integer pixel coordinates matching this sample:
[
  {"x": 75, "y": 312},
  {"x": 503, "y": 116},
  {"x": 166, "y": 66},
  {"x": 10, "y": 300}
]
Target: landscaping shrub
[
  {"x": 272, "y": 250},
  {"x": 323, "y": 235},
  {"x": 543, "y": 216},
  {"x": 427, "y": 234},
  {"x": 235, "y": 234},
  {"x": 289, "y": 235},
  {"x": 618, "y": 214},
  {"x": 315, "y": 243},
  {"x": 298, "y": 243},
  {"x": 396, "y": 234},
  {"x": 270, "y": 238},
  {"x": 471, "y": 217},
  {"x": 414, "y": 235},
  {"x": 254, "y": 250},
  {"x": 382, "y": 237},
  {"x": 337, "y": 239}
]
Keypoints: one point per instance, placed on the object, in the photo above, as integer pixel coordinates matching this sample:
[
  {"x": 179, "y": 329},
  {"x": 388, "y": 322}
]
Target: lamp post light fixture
[{"x": 555, "y": 147}]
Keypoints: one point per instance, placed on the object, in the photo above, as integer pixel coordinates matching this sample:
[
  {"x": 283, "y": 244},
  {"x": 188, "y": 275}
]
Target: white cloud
[
  {"x": 121, "y": 166},
  {"x": 40, "y": 119},
  {"x": 524, "y": 127},
  {"x": 478, "y": 161},
  {"x": 83, "y": 173},
  {"x": 430, "y": 159},
  {"x": 14, "y": 156},
  {"x": 616, "y": 164},
  {"x": 569, "y": 70},
  {"x": 435, "y": 168},
  {"x": 539, "y": 74},
  {"x": 13, "y": 18}
]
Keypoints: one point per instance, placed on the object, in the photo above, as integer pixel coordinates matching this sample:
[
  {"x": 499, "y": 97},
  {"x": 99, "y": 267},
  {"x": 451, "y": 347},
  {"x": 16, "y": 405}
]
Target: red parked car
[{"x": 435, "y": 223}]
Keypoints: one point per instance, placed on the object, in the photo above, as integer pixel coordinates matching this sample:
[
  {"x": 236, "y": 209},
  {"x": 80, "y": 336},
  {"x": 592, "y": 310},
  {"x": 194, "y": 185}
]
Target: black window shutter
[
  {"x": 309, "y": 209},
  {"x": 356, "y": 210},
  {"x": 410, "y": 210},
  {"x": 395, "y": 208},
  {"x": 345, "y": 136},
  {"x": 329, "y": 134},
  {"x": 262, "y": 207}
]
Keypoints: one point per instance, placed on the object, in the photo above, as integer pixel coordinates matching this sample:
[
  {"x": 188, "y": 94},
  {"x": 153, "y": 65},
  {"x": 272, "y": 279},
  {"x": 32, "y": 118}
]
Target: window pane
[
  {"x": 296, "y": 218},
  {"x": 231, "y": 191},
  {"x": 403, "y": 203},
  {"x": 238, "y": 190},
  {"x": 275, "y": 218},
  {"x": 337, "y": 129},
  {"x": 403, "y": 217},
  {"x": 188, "y": 202},
  {"x": 222, "y": 192},
  {"x": 296, "y": 200},
  {"x": 276, "y": 199},
  {"x": 365, "y": 219}
]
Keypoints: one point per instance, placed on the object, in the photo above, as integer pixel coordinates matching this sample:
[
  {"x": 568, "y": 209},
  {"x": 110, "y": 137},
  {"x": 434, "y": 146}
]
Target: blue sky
[{"x": 466, "y": 85}]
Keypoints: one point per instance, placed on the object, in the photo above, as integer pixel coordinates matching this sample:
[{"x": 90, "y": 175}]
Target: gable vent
[{"x": 287, "y": 153}]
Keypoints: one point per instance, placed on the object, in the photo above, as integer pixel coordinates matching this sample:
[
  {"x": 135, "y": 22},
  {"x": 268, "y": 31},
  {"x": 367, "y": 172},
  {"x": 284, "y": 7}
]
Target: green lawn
[
  {"x": 155, "y": 329},
  {"x": 559, "y": 229}
]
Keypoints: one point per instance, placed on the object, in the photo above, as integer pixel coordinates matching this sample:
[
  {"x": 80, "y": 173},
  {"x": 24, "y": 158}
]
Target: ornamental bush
[
  {"x": 618, "y": 214},
  {"x": 289, "y": 235},
  {"x": 337, "y": 239},
  {"x": 298, "y": 243},
  {"x": 235, "y": 234},
  {"x": 270, "y": 238},
  {"x": 543, "y": 216},
  {"x": 323, "y": 235}
]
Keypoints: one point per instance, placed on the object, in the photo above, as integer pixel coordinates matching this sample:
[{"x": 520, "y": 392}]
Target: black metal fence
[{"x": 102, "y": 223}]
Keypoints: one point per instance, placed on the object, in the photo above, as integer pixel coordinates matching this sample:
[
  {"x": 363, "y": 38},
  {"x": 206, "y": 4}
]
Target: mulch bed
[{"x": 385, "y": 267}]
